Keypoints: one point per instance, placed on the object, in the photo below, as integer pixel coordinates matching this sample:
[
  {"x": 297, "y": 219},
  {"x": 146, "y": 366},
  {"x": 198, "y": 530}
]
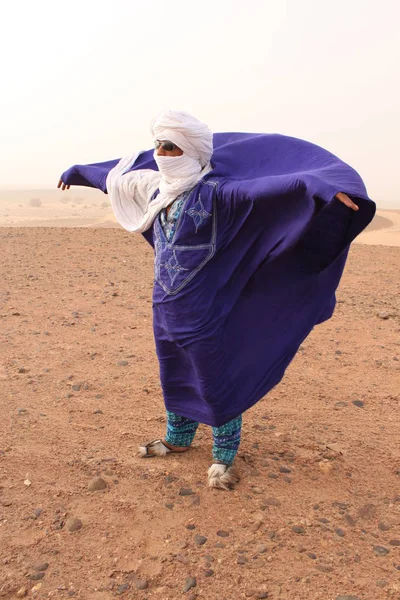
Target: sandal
[{"x": 158, "y": 448}]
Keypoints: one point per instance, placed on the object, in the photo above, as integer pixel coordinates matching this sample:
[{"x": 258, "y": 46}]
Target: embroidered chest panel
[{"x": 193, "y": 244}]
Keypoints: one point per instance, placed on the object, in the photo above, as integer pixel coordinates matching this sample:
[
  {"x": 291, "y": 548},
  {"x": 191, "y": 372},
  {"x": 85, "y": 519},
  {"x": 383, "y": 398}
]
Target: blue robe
[{"x": 253, "y": 266}]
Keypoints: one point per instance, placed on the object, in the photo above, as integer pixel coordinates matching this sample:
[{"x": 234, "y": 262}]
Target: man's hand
[
  {"x": 64, "y": 186},
  {"x": 345, "y": 199}
]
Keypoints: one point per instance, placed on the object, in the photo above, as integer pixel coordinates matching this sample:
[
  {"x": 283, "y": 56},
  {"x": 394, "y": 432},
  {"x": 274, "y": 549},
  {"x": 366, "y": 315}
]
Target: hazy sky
[{"x": 82, "y": 79}]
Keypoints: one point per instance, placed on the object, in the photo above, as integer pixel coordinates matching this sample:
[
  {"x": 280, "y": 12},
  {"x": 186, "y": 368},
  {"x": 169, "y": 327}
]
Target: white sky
[{"x": 81, "y": 80}]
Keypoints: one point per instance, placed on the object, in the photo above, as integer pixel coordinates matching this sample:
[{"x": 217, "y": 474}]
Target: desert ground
[{"x": 316, "y": 514}]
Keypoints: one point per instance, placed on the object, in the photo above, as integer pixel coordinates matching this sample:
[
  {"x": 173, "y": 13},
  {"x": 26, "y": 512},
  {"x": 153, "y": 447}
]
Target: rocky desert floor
[{"x": 317, "y": 512}]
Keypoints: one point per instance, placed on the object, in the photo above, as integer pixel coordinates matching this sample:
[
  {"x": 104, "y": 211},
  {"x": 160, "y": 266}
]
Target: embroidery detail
[
  {"x": 173, "y": 267},
  {"x": 198, "y": 213}
]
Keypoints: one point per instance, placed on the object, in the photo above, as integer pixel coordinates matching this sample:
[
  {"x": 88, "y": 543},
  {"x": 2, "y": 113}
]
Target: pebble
[
  {"x": 261, "y": 595},
  {"x": 22, "y": 592},
  {"x": 73, "y": 524},
  {"x": 222, "y": 533},
  {"x": 381, "y": 583},
  {"x": 262, "y": 548},
  {"x": 257, "y": 490},
  {"x": 394, "y": 542},
  {"x": 383, "y": 315},
  {"x": 272, "y": 502},
  {"x": 122, "y": 363},
  {"x": 186, "y": 492},
  {"x": 36, "y": 576},
  {"x": 349, "y": 520},
  {"x": 189, "y": 584},
  {"x": 97, "y": 484},
  {"x": 141, "y": 584},
  {"x": 284, "y": 470},
  {"x": 41, "y": 566},
  {"x": 273, "y": 475},
  {"x": 380, "y": 550},
  {"x": 121, "y": 589},
  {"x": 358, "y": 403},
  {"x": 220, "y": 545},
  {"x": 384, "y": 526},
  {"x": 324, "y": 568},
  {"x": 347, "y": 598},
  {"x": 36, "y": 587},
  {"x": 242, "y": 560},
  {"x": 192, "y": 597},
  {"x": 200, "y": 539},
  {"x": 208, "y": 572},
  {"x": 191, "y": 526},
  {"x": 339, "y": 532},
  {"x": 299, "y": 530},
  {"x": 311, "y": 555}
]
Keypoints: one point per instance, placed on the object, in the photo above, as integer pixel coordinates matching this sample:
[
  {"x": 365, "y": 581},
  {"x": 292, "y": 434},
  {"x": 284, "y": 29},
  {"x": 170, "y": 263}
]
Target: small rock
[
  {"x": 186, "y": 492},
  {"x": 261, "y": 595},
  {"x": 311, "y": 555},
  {"x": 347, "y": 598},
  {"x": 284, "y": 470},
  {"x": 242, "y": 560},
  {"x": 73, "y": 524},
  {"x": 298, "y": 530},
  {"x": 394, "y": 542},
  {"x": 381, "y": 583},
  {"x": 257, "y": 490},
  {"x": 141, "y": 584},
  {"x": 76, "y": 387},
  {"x": 191, "y": 526},
  {"x": 121, "y": 589},
  {"x": 339, "y": 532},
  {"x": 272, "y": 502},
  {"x": 383, "y": 315},
  {"x": 189, "y": 584},
  {"x": 122, "y": 363},
  {"x": 380, "y": 550},
  {"x": 262, "y": 548},
  {"x": 208, "y": 572},
  {"x": 36, "y": 587},
  {"x": 358, "y": 403},
  {"x": 200, "y": 539},
  {"x": 22, "y": 370},
  {"x": 384, "y": 526},
  {"x": 324, "y": 568},
  {"x": 349, "y": 520},
  {"x": 36, "y": 576},
  {"x": 273, "y": 476},
  {"x": 222, "y": 533},
  {"x": 367, "y": 511},
  {"x": 41, "y": 566},
  {"x": 325, "y": 466},
  {"x": 97, "y": 484},
  {"x": 22, "y": 592},
  {"x": 192, "y": 596}
]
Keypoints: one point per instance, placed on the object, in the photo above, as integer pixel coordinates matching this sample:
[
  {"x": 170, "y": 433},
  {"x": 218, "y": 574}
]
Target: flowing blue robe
[{"x": 253, "y": 266}]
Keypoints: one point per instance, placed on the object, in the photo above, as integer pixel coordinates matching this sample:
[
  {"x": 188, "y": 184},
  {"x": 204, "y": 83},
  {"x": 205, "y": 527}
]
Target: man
[{"x": 250, "y": 243}]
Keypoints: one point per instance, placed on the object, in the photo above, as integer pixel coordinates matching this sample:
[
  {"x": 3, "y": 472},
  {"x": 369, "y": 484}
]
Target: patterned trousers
[{"x": 226, "y": 439}]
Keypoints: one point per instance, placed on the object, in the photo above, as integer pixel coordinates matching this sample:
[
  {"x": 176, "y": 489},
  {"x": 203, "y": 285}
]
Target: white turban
[
  {"x": 131, "y": 192},
  {"x": 189, "y": 134}
]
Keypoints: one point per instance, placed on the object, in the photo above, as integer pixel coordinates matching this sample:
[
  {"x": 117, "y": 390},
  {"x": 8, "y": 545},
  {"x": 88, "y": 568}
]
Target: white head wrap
[{"x": 130, "y": 192}]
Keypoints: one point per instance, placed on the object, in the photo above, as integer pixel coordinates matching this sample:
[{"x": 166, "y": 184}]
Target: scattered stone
[
  {"x": 298, "y": 530},
  {"x": 261, "y": 595},
  {"x": 22, "y": 411},
  {"x": 186, "y": 492},
  {"x": 76, "y": 387},
  {"x": 22, "y": 370},
  {"x": 323, "y": 520},
  {"x": 200, "y": 540},
  {"x": 98, "y": 412},
  {"x": 73, "y": 524},
  {"x": 36, "y": 587},
  {"x": 262, "y": 548},
  {"x": 220, "y": 545},
  {"x": 367, "y": 511},
  {"x": 22, "y": 592},
  {"x": 339, "y": 532},
  {"x": 340, "y": 505},
  {"x": 256, "y": 526},
  {"x": 358, "y": 403},
  {"x": 208, "y": 572},
  {"x": 191, "y": 526},
  {"x": 383, "y": 315},
  {"x": 325, "y": 466},
  {"x": 42, "y": 566},
  {"x": 189, "y": 584},
  {"x": 36, "y": 576},
  {"x": 272, "y": 502},
  {"x": 122, "y": 363},
  {"x": 384, "y": 526},
  {"x": 341, "y": 404},
  {"x": 394, "y": 542},
  {"x": 381, "y": 583},
  {"x": 273, "y": 476},
  {"x": 192, "y": 597},
  {"x": 222, "y": 533},
  {"x": 347, "y": 598},
  {"x": 257, "y": 490},
  {"x": 349, "y": 520},
  {"x": 380, "y": 550},
  {"x": 324, "y": 568},
  {"x": 141, "y": 584},
  {"x": 284, "y": 470},
  {"x": 121, "y": 589},
  {"x": 311, "y": 555},
  {"x": 170, "y": 478},
  {"x": 242, "y": 560},
  {"x": 169, "y": 505},
  {"x": 97, "y": 484}
]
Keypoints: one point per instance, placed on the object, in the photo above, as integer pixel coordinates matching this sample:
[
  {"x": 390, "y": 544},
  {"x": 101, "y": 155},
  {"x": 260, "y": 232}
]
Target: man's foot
[
  {"x": 222, "y": 477},
  {"x": 159, "y": 448}
]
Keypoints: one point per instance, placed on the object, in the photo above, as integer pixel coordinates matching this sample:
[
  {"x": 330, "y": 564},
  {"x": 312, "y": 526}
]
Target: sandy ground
[{"x": 317, "y": 512}]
